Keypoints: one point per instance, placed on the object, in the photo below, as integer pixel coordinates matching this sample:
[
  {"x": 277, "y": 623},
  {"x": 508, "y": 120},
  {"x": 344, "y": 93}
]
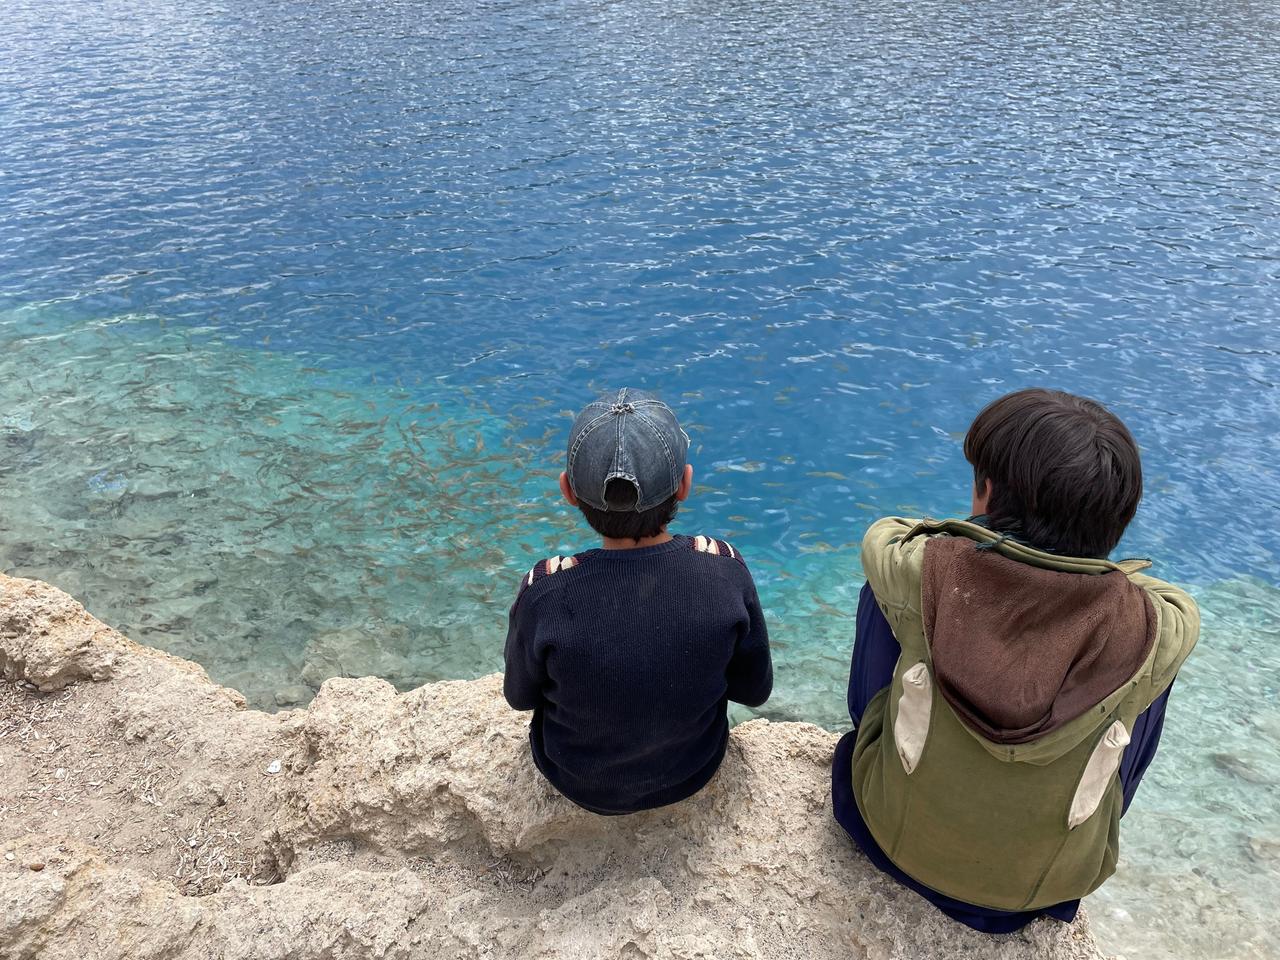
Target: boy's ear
[
  {"x": 686, "y": 483},
  {"x": 981, "y": 497},
  {"x": 566, "y": 490}
]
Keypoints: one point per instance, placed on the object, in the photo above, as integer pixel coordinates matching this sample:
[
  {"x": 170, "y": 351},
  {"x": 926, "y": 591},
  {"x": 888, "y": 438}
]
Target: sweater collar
[{"x": 677, "y": 542}]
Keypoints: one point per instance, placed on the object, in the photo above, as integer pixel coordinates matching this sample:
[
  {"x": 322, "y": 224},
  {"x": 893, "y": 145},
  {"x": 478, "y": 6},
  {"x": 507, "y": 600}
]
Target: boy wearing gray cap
[{"x": 628, "y": 654}]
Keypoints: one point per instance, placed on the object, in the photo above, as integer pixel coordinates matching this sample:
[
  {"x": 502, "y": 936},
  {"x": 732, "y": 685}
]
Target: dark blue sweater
[{"x": 627, "y": 660}]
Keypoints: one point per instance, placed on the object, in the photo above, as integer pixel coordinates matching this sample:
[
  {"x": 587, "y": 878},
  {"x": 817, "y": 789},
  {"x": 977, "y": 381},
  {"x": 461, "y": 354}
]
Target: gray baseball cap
[{"x": 632, "y": 435}]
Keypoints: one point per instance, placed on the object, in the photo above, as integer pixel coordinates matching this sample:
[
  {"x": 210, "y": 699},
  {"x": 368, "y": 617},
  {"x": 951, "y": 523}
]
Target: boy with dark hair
[
  {"x": 628, "y": 654},
  {"x": 1009, "y": 681}
]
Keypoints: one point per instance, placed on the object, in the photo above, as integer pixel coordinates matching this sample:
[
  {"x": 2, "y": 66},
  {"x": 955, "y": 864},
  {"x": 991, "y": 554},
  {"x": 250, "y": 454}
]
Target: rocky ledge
[{"x": 145, "y": 813}]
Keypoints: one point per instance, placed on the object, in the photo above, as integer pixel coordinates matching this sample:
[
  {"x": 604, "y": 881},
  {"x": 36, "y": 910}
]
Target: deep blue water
[
  {"x": 829, "y": 232},
  {"x": 251, "y": 254}
]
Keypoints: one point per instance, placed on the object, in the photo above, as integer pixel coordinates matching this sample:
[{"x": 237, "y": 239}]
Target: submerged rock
[
  {"x": 293, "y": 695},
  {"x": 377, "y": 824}
]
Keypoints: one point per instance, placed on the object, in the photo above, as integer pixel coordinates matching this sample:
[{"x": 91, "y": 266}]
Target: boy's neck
[{"x": 626, "y": 543}]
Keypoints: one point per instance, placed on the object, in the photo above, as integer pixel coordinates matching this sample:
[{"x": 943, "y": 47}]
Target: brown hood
[{"x": 1019, "y": 651}]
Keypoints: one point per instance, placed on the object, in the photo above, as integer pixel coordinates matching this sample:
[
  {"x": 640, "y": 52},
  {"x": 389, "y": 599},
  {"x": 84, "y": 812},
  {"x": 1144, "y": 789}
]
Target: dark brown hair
[
  {"x": 1065, "y": 473},
  {"x": 622, "y": 521}
]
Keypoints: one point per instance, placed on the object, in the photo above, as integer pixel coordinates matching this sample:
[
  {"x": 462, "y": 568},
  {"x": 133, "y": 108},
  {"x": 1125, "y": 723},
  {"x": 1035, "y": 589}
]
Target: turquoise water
[{"x": 296, "y": 300}]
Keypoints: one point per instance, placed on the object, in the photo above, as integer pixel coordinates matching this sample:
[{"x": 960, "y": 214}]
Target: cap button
[{"x": 621, "y": 408}]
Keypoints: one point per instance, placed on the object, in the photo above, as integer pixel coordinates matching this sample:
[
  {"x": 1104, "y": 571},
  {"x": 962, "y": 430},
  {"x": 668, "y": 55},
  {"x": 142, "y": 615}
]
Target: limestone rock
[
  {"x": 400, "y": 826},
  {"x": 49, "y": 640}
]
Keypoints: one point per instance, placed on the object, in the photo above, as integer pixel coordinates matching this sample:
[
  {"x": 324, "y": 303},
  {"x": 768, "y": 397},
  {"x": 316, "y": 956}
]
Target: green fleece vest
[{"x": 1012, "y": 827}]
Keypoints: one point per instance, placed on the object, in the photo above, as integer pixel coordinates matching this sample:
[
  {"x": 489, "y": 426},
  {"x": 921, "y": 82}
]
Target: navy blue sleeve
[
  {"x": 522, "y": 682},
  {"x": 750, "y": 672},
  {"x": 875, "y": 653},
  {"x": 1142, "y": 747}
]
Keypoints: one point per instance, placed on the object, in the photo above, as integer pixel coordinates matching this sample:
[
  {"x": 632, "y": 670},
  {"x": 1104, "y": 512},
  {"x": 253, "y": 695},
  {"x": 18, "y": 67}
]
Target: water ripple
[{"x": 829, "y": 231}]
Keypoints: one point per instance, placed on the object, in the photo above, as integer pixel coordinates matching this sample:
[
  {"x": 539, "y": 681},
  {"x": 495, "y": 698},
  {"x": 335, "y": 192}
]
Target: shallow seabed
[
  {"x": 282, "y": 524},
  {"x": 263, "y": 518}
]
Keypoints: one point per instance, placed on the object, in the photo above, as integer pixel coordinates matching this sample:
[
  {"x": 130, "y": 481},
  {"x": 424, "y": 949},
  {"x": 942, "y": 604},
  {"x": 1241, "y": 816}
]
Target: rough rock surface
[{"x": 145, "y": 813}]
